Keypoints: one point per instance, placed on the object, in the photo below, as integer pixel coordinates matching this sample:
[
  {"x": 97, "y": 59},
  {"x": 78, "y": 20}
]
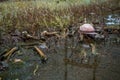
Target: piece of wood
[
  {"x": 50, "y": 34},
  {"x": 40, "y": 53},
  {"x": 8, "y": 54},
  {"x": 11, "y": 51}
]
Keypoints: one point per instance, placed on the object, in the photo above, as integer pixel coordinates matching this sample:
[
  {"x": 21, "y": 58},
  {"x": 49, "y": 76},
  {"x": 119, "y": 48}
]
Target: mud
[{"x": 63, "y": 62}]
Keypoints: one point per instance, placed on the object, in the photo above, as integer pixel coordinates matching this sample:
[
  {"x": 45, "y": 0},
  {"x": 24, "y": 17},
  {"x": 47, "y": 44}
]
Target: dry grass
[{"x": 35, "y": 15}]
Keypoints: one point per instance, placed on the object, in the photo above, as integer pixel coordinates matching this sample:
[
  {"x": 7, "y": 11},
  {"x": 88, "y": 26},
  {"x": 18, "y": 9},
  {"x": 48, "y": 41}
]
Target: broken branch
[
  {"x": 8, "y": 54},
  {"x": 40, "y": 53}
]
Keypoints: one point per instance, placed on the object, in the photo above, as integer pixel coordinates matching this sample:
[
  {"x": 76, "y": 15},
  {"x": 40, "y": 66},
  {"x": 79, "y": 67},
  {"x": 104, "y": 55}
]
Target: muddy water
[{"x": 64, "y": 64}]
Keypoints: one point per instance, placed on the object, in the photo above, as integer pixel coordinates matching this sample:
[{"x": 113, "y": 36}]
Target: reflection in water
[
  {"x": 83, "y": 65},
  {"x": 92, "y": 60},
  {"x": 95, "y": 67},
  {"x": 65, "y": 45},
  {"x": 113, "y": 19}
]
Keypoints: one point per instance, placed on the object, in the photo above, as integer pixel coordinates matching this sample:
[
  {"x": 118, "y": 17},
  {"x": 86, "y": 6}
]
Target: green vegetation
[{"x": 33, "y": 15}]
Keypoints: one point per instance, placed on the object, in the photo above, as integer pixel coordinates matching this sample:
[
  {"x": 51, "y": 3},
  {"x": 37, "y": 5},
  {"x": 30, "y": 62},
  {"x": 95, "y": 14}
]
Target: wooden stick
[
  {"x": 40, "y": 52},
  {"x": 10, "y": 52},
  {"x": 50, "y": 34}
]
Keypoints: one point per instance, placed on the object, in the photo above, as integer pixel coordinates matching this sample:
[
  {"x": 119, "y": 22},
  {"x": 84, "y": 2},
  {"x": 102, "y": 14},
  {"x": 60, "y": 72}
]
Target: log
[{"x": 43, "y": 56}]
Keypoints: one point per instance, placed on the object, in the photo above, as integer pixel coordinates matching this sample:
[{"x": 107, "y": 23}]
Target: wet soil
[{"x": 64, "y": 64}]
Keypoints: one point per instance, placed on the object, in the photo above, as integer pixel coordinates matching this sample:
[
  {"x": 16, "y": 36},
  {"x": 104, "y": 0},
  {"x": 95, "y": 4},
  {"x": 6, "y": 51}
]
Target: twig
[{"x": 35, "y": 70}]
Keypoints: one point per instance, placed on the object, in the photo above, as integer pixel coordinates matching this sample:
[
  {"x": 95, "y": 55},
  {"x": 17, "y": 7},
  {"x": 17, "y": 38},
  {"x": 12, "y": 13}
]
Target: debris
[
  {"x": 18, "y": 60},
  {"x": 100, "y": 36},
  {"x": 43, "y": 45},
  {"x": 64, "y": 33},
  {"x": 3, "y": 66},
  {"x": 35, "y": 70},
  {"x": 87, "y": 32},
  {"x": 26, "y": 35},
  {"x": 50, "y": 34},
  {"x": 85, "y": 46},
  {"x": 87, "y": 28},
  {"x": 93, "y": 49},
  {"x": 81, "y": 37},
  {"x": 83, "y": 55},
  {"x": 74, "y": 63},
  {"x": 8, "y": 54},
  {"x": 19, "y": 52},
  {"x": 43, "y": 56},
  {"x": 11, "y": 51}
]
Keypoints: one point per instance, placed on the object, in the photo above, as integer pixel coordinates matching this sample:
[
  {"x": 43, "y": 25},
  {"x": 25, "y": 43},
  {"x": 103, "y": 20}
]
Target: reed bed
[{"x": 42, "y": 14}]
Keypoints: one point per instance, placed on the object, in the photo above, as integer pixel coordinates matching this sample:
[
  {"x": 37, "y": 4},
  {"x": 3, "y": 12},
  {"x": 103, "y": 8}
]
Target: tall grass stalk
[{"x": 33, "y": 15}]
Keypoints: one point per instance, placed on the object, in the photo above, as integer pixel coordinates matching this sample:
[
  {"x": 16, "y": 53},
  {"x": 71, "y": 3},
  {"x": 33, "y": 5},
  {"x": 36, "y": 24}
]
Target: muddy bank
[{"x": 56, "y": 68}]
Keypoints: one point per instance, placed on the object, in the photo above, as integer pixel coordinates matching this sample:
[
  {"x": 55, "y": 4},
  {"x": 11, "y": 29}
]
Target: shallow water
[{"x": 64, "y": 63}]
